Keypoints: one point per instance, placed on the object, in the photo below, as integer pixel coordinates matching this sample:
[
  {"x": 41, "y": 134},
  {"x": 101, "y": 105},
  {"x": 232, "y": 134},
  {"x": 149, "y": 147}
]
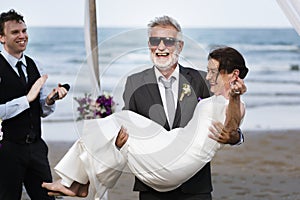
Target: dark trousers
[
  {"x": 24, "y": 164},
  {"x": 173, "y": 195}
]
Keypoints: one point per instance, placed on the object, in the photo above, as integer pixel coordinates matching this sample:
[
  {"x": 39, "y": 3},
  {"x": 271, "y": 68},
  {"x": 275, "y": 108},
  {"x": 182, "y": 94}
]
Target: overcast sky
[{"x": 137, "y": 13}]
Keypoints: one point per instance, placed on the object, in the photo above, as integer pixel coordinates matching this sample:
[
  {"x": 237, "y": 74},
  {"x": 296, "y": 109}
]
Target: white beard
[{"x": 164, "y": 66}]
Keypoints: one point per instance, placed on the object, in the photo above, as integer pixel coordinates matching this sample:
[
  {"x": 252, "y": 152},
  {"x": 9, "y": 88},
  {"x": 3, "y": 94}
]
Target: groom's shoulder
[
  {"x": 141, "y": 74},
  {"x": 193, "y": 72}
]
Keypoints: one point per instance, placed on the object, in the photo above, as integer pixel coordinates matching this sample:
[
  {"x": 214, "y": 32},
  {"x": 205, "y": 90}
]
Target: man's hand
[
  {"x": 121, "y": 138},
  {"x": 219, "y": 134},
  {"x": 36, "y": 88},
  {"x": 62, "y": 92}
]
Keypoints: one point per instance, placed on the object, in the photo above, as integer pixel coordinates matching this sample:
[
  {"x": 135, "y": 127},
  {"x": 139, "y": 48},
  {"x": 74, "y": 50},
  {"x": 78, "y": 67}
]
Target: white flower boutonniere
[{"x": 186, "y": 90}]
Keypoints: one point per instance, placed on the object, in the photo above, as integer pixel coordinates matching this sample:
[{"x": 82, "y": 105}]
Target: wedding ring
[{"x": 237, "y": 92}]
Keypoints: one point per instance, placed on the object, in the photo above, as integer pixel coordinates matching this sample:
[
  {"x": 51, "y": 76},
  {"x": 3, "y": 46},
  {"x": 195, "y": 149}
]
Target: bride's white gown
[{"x": 161, "y": 159}]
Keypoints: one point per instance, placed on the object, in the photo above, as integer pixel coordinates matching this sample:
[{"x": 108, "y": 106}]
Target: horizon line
[{"x": 187, "y": 27}]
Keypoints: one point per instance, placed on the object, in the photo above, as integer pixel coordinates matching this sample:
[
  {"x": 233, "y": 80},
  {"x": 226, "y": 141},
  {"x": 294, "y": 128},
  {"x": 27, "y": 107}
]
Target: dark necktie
[
  {"x": 169, "y": 99},
  {"x": 21, "y": 73}
]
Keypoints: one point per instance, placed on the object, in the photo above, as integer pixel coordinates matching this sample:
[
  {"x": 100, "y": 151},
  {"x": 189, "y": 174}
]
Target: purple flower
[{"x": 99, "y": 108}]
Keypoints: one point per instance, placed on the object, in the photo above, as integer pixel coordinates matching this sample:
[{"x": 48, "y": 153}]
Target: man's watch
[{"x": 241, "y": 141}]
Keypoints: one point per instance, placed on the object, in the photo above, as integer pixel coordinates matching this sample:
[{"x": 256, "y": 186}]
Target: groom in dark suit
[
  {"x": 167, "y": 93},
  {"x": 145, "y": 94}
]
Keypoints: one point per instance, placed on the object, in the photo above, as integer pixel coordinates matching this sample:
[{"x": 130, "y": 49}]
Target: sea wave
[{"x": 269, "y": 54}]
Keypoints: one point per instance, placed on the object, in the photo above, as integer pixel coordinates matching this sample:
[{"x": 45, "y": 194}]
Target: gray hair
[{"x": 165, "y": 21}]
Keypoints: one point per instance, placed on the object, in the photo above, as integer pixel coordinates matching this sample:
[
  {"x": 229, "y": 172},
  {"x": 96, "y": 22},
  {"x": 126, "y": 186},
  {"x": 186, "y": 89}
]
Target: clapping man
[{"x": 23, "y": 101}]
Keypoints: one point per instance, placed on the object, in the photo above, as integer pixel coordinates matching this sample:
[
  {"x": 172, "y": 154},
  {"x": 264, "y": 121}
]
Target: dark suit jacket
[{"x": 142, "y": 96}]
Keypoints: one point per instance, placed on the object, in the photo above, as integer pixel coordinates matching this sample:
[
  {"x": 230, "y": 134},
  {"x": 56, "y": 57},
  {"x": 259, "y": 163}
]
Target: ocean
[{"x": 272, "y": 56}]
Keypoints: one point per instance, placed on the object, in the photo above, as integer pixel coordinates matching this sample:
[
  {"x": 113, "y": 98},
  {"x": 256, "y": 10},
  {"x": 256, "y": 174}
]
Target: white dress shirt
[
  {"x": 161, "y": 87},
  {"x": 16, "y": 106}
]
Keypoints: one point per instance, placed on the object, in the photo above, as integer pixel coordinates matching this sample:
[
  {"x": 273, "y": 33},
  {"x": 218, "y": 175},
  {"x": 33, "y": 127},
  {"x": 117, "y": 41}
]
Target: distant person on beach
[
  {"x": 181, "y": 152},
  {"x": 23, "y": 101}
]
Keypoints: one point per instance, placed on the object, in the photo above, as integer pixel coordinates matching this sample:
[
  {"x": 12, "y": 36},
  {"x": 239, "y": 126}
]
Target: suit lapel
[
  {"x": 152, "y": 87},
  {"x": 150, "y": 80},
  {"x": 184, "y": 78}
]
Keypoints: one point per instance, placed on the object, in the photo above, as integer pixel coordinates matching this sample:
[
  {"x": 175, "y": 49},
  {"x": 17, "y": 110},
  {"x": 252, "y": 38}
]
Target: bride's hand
[
  {"x": 121, "y": 138},
  {"x": 219, "y": 134},
  {"x": 238, "y": 86}
]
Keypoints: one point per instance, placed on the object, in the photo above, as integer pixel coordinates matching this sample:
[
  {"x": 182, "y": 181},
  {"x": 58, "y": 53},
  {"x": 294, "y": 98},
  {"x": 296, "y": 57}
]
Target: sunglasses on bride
[{"x": 168, "y": 41}]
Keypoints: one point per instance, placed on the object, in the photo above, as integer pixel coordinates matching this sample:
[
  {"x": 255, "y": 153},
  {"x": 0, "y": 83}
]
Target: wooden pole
[{"x": 94, "y": 39}]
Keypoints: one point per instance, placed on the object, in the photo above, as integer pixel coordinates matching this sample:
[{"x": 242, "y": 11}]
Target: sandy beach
[{"x": 266, "y": 166}]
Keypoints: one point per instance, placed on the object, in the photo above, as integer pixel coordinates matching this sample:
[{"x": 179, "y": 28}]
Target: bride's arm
[
  {"x": 227, "y": 133},
  {"x": 235, "y": 110},
  {"x": 233, "y": 114}
]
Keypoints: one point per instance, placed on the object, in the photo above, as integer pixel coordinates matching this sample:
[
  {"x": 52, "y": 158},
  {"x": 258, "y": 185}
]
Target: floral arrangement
[
  {"x": 90, "y": 108},
  {"x": 186, "y": 91}
]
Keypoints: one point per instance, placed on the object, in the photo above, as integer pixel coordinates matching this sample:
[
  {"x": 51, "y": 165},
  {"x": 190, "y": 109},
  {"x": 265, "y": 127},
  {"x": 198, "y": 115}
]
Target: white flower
[{"x": 186, "y": 90}]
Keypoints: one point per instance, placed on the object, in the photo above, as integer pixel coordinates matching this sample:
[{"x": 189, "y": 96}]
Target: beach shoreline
[{"x": 266, "y": 166}]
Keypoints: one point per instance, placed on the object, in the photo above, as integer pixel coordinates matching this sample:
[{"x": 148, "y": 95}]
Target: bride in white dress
[{"x": 161, "y": 159}]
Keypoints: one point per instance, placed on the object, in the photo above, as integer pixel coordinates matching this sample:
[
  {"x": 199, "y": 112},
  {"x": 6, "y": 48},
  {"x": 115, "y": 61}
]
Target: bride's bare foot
[
  {"x": 57, "y": 189},
  {"x": 83, "y": 190}
]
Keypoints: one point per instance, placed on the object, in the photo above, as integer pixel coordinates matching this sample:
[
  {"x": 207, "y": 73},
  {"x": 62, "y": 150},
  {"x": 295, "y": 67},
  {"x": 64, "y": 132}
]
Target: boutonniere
[{"x": 186, "y": 90}]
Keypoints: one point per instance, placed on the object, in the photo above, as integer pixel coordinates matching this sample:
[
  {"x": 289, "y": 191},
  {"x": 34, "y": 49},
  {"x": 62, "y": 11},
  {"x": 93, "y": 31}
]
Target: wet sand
[{"x": 266, "y": 166}]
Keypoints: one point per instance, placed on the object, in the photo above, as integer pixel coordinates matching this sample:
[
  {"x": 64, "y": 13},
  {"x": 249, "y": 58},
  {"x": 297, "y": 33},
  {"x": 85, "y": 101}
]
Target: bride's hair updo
[{"x": 229, "y": 60}]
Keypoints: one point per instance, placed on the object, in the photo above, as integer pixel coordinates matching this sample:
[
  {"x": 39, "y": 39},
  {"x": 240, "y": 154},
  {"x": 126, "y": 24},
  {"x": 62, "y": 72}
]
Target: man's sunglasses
[{"x": 168, "y": 41}]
